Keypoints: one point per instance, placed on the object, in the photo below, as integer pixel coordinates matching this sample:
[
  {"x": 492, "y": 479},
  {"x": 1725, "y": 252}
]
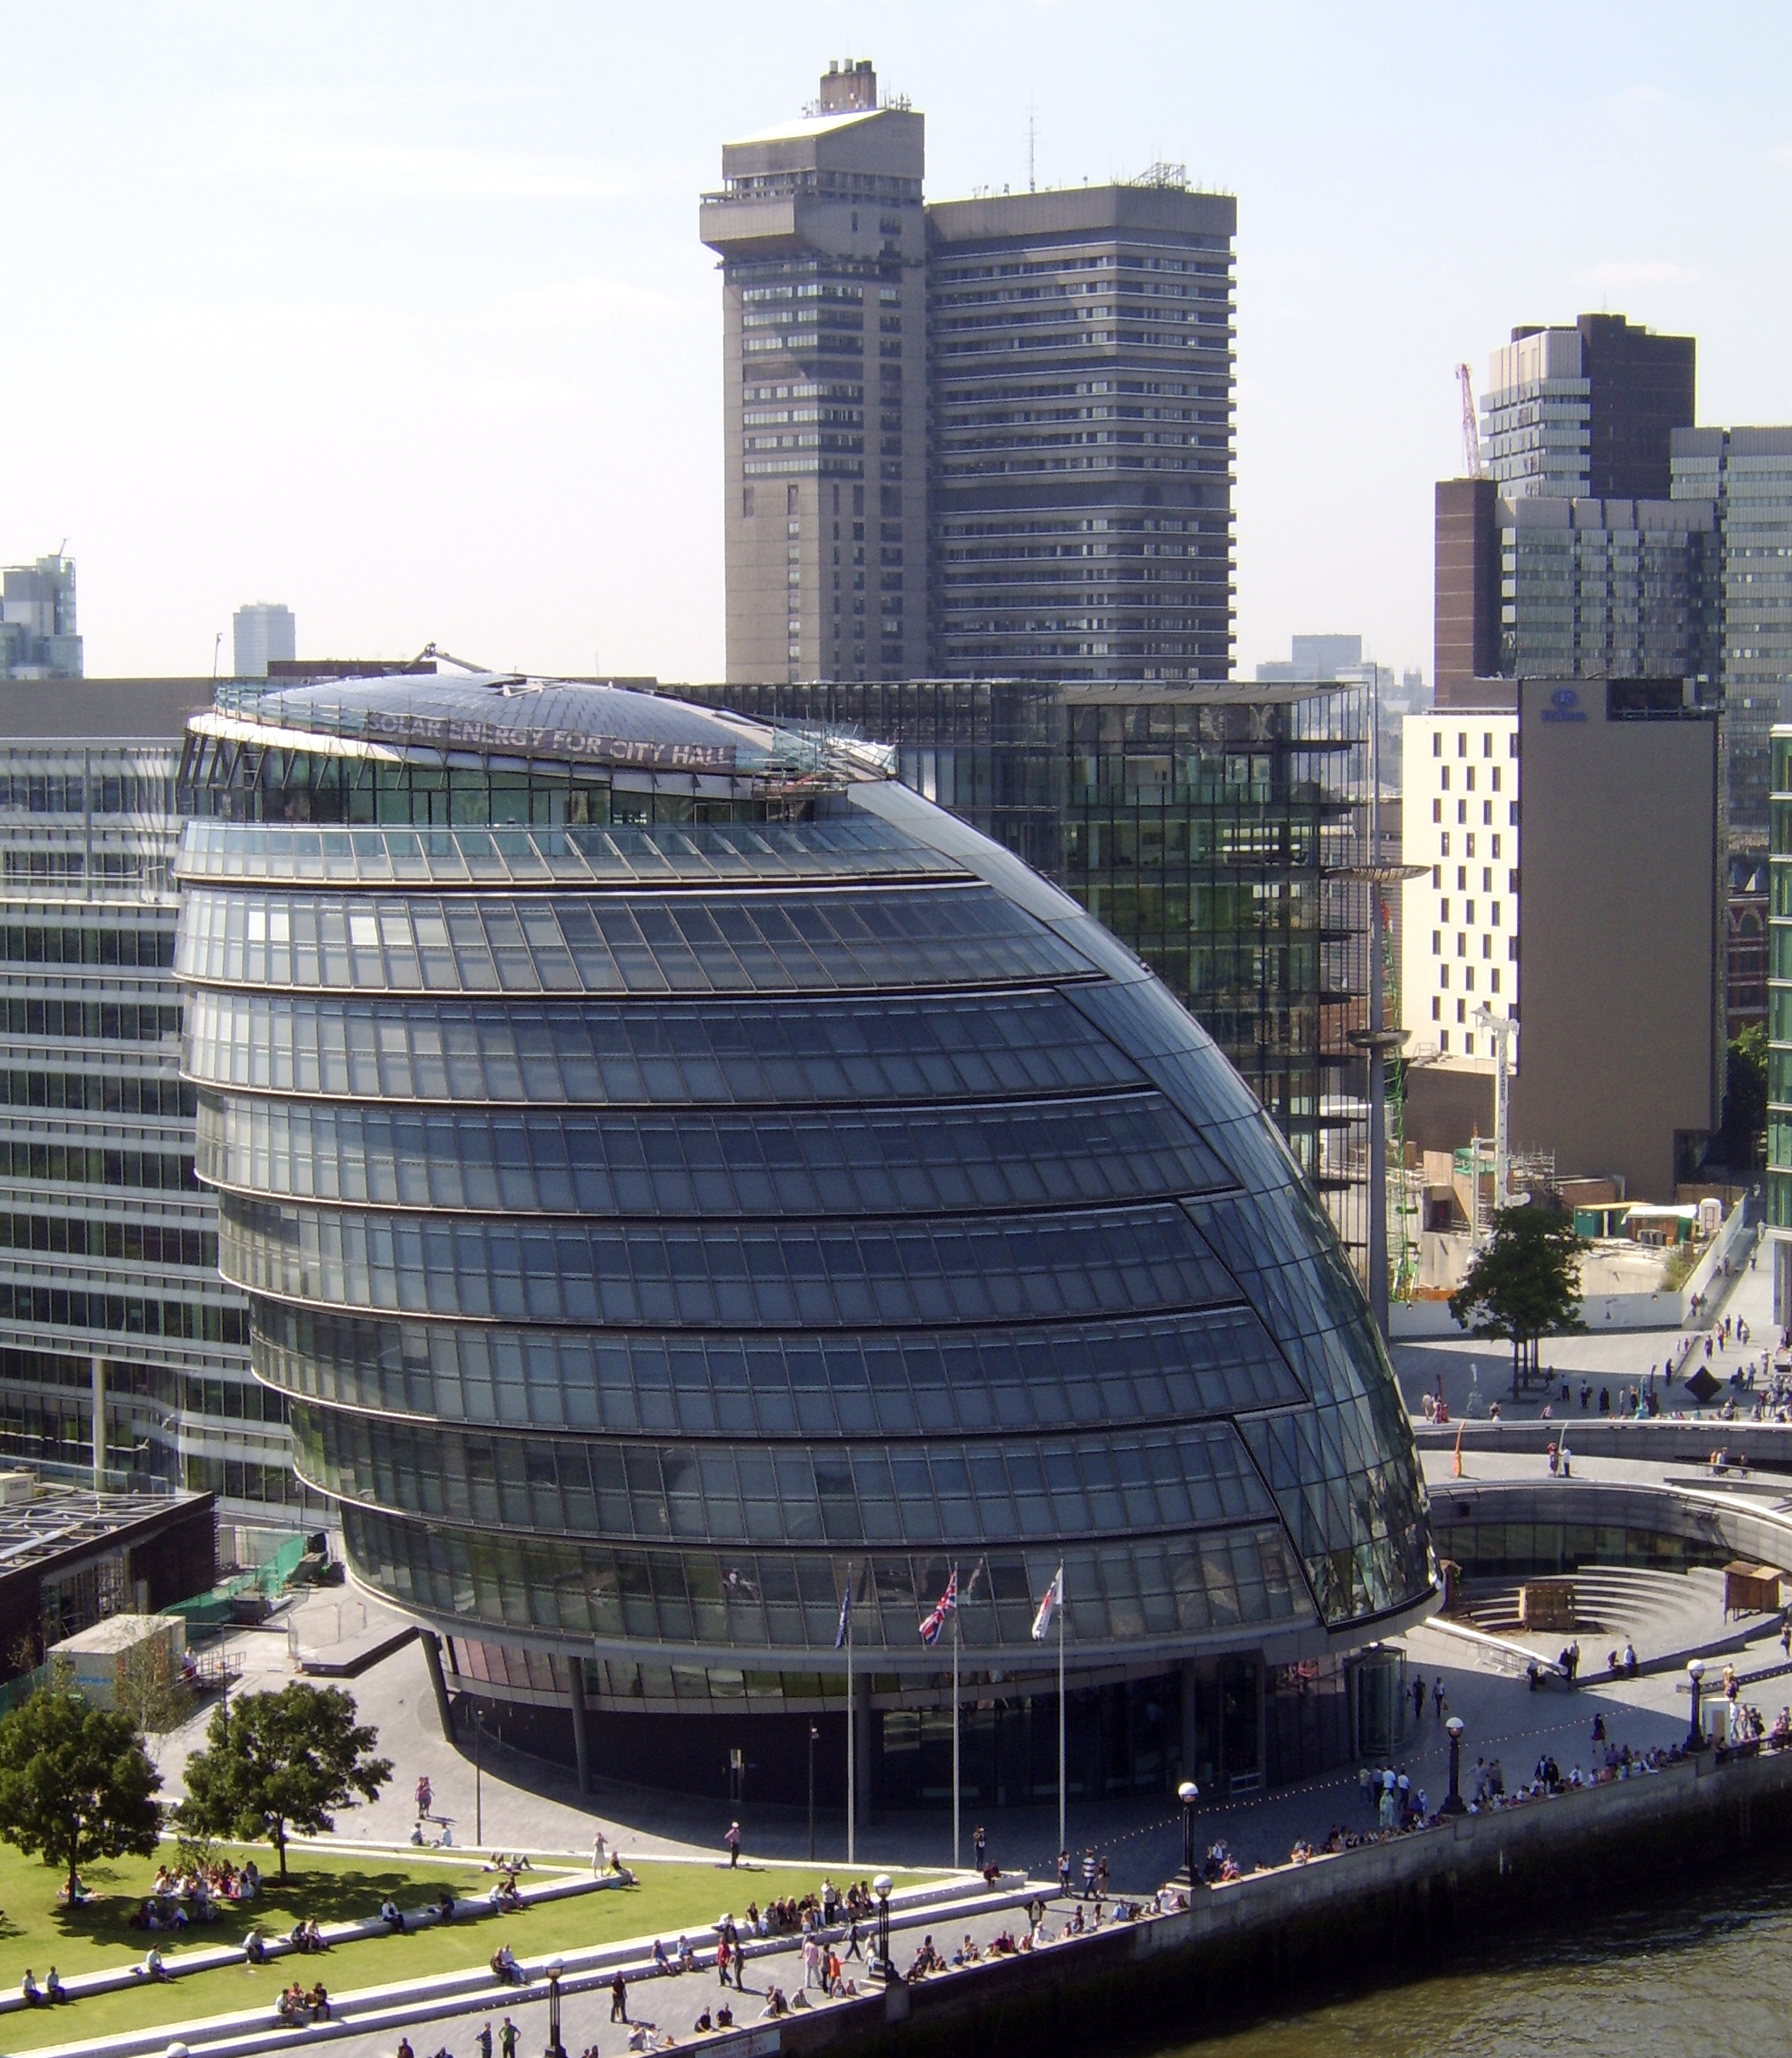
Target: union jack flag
[{"x": 933, "y": 1623}]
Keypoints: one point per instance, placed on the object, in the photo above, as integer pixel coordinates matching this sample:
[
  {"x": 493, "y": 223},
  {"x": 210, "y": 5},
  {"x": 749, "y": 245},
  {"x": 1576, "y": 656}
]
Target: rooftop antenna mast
[
  {"x": 1472, "y": 465},
  {"x": 1031, "y": 187}
]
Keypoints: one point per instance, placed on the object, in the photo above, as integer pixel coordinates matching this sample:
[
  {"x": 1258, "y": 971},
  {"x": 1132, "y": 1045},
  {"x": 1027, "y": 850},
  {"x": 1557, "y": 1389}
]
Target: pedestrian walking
[
  {"x": 1439, "y": 1699},
  {"x": 851, "y": 1949},
  {"x": 1088, "y": 1873},
  {"x": 1063, "y": 1871},
  {"x": 733, "y": 1841},
  {"x": 426, "y": 1798},
  {"x": 722, "y": 1960},
  {"x": 618, "y": 1999},
  {"x": 507, "y": 2039}
]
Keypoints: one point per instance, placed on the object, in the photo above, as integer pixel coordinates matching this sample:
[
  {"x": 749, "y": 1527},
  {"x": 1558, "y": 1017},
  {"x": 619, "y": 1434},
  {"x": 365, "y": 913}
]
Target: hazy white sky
[{"x": 397, "y": 313}]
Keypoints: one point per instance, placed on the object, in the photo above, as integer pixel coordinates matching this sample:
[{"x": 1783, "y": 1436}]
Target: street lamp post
[
  {"x": 1695, "y": 1676},
  {"x": 814, "y": 1732},
  {"x": 554, "y": 1968},
  {"x": 881, "y": 1887},
  {"x": 1453, "y": 1802},
  {"x": 1187, "y": 1793},
  {"x": 478, "y": 1775}
]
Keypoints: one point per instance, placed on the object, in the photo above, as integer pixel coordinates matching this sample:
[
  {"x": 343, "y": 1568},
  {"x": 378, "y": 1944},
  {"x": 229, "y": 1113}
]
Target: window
[
  {"x": 1436, "y": 943},
  {"x": 1468, "y": 779},
  {"x": 1461, "y": 743},
  {"x": 1512, "y": 744},
  {"x": 1436, "y": 810},
  {"x": 1487, "y": 946},
  {"x": 1512, "y": 879},
  {"x": 1443, "y": 977},
  {"x": 1494, "y": 914},
  {"x": 1462, "y": 810},
  {"x": 1443, "y": 912},
  {"x": 1486, "y": 744},
  {"x": 1462, "y": 1010},
  {"x": 1496, "y": 846},
  {"x": 1494, "y": 976},
  {"x": 1443, "y": 843},
  {"x": 1467, "y": 913},
  {"x": 1462, "y": 944},
  {"x": 1436, "y": 743},
  {"x": 1511, "y": 814},
  {"x": 1468, "y": 978},
  {"x": 1436, "y": 1009},
  {"x": 1461, "y": 878},
  {"x": 1486, "y": 811},
  {"x": 1469, "y": 846},
  {"x": 1467, "y": 1046},
  {"x": 1443, "y": 1041},
  {"x": 1436, "y": 876},
  {"x": 1495, "y": 779},
  {"x": 1512, "y": 950}
]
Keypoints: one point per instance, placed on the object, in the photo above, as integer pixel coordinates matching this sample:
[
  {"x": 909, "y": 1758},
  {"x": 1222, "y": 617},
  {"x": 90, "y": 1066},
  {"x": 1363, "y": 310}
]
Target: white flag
[{"x": 1049, "y": 1606}]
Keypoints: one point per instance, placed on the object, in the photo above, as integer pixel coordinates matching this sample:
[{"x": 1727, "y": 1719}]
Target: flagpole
[
  {"x": 1062, "y": 1845},
  {"x": 852, "y": 1739},
  {"x": 955, "y": 1740}
]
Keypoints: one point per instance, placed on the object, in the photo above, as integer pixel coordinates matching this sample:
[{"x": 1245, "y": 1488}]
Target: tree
[
  {"x": 1524, "y": 1285},
  {"x": 75, "y": 1782},
  {"x": 1745, "y": 1099},
  {"x": 274, "y": 1763},
  {"x": 149, "y": 1690}
]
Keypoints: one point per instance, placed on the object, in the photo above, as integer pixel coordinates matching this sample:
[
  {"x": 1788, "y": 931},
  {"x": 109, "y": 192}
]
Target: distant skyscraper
[
  {"x": 1080, "y": 367},
  {"x": 1586, "y": 413},
  {"x": 818, "y": 227},
  {"x": 38, "y": 636},
  {"x": 260, "y": 634},
  {"x": 1049, "y": 378}
]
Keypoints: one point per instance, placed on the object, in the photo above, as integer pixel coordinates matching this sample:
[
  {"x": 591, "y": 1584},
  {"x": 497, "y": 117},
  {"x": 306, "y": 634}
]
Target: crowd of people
[{"x": 195, "y": 1893}]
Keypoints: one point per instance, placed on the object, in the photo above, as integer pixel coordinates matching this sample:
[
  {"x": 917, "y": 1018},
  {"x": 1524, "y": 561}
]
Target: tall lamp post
[
  {"x": 1695, "y": 1678},
  {"x": 881, "y": 1887},
  {"x": 554, "y": 1968},
  {"x": 1187, "y": 1793},
  {"x": 1453, "y": 1802},
  {"x": 478, "y": 1774},
  {"x": 814, "y": 1732}
]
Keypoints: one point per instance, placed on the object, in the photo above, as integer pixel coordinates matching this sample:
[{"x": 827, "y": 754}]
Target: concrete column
[
  {"x": 581, "y": 1744},
  {"x": 1781, "y": 1248},
  {"x": 432, "y": 1658},
  {"x": 99, "y": 1425}
]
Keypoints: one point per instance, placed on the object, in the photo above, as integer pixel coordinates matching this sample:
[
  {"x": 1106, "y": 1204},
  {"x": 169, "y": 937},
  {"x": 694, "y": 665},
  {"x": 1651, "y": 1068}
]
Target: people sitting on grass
[
  {"x": 389, "y": 1916},
  {"x": 505, "y": 1966},
  {"x": 72, "y": 1893},
  {"x": 504, "y": 1899},
  {"x": 445, "y": 1905}
]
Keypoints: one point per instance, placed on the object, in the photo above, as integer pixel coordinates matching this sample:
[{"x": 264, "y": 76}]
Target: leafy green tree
[
  {"x": 275, "y": 1762},
  {"x": 1745, "y": 1099},
  {"x": 75, "y": 1782},
  {"x": 1525, "y": 1284},
  {"x": 149, "y": 1689}
]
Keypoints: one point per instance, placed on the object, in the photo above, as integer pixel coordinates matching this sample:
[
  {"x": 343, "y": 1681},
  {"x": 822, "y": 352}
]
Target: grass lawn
[{"x": 34, "y": 1932}]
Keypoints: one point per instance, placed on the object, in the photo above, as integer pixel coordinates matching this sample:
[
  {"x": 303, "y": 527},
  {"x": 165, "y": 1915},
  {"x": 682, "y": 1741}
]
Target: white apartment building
[{"x": 1460, "y": 927}]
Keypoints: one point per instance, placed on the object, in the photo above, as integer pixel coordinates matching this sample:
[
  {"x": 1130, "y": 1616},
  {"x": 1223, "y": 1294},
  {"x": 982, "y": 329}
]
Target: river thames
[{"x": 1705, "y": 1969}]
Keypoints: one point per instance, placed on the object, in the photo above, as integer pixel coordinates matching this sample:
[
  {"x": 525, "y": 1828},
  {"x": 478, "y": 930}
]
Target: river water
[{"x": 1705, "y": 1971}]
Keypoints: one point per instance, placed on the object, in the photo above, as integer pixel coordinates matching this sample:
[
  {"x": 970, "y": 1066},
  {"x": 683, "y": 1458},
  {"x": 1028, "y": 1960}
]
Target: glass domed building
[{"x": 680, "y": 1175}]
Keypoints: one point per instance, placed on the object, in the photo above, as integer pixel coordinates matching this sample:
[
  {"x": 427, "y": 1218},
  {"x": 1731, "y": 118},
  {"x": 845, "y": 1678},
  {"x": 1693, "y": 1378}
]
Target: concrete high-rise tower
[
  {"x": 260, "y": 633},
  {"x": 818, "y": 227}
]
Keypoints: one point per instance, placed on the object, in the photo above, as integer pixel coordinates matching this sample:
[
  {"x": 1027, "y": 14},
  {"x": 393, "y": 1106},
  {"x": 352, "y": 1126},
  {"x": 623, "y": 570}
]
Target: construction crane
[{"x": 1470, "y": 425}]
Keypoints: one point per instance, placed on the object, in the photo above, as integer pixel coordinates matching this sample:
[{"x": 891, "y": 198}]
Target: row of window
[
  {"x": 95, "y": 1093},
  {"x": 857, "y": 846},
  {"x": 116, "y": 943},
  {"x": 73, "y": 794},
  {"x": 1213, "y": 1362},
  {"x": 1122, "y": 1593},
  {"x": 90, "y": 1021},
  {"x": 1462, "y": 950},
  {"x": 924, "y": 1160},
  {"x": 979, "y": 1495},
  {"x": 954, "y": 1048},
  {"x": 988, "y": 1269},
  {"x": 124, "y": 1315},
  {"x": 78, "y": 1236},
  {"x": 84, "y": 1165},
  {"x": 771, "y": 942}
]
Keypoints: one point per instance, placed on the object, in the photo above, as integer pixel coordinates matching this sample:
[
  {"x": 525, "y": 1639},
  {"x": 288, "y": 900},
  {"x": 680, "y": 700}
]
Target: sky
[{"x": 397, "y": 313}]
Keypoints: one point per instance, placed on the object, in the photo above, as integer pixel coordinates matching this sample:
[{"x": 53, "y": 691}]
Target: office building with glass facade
[
  {"x": 679, "y": 1173},
  {"x": 122, "y": 1351}
]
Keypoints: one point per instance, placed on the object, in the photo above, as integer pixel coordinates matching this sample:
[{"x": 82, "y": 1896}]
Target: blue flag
[{"x": 846, "y": 1613}]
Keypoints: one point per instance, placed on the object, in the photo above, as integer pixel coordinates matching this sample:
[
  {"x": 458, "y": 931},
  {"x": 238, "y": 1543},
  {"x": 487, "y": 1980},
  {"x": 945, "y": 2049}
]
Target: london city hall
[{"x": 681, "y": 1175}]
